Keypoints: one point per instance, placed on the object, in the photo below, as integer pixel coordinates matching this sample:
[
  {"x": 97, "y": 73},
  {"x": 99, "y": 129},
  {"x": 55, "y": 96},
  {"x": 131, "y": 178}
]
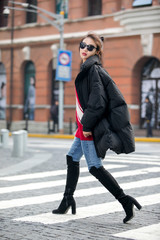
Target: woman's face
[{"x": 84, "y": 53}]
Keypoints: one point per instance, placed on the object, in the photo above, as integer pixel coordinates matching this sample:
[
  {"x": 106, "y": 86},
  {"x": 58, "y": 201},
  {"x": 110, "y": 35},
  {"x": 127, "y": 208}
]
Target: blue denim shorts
[{"x": 86, "y": 148}]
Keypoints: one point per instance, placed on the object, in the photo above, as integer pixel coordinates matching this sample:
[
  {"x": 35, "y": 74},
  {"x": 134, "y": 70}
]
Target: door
[
  {"x": 2, "y": 92},
  {"x": 150, "y": 87},
  {"x": 29, "y": 91}
]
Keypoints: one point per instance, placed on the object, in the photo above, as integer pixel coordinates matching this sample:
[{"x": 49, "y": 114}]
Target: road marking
[
  {"x": 34, "y": 161},
  {"x": 146, "y": 156},
  {"x": 89, "y": 211},
  {"x": 151, "y": 232},
  {"x": 52, "y": 173},
  {"x": 121, "y": 160},
  {"x": 55, "y": 183},
  {"x": 79, "y": 193}
]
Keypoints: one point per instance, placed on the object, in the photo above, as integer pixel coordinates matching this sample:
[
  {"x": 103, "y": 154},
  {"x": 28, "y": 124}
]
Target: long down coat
[{"x": 105, "y": 110}]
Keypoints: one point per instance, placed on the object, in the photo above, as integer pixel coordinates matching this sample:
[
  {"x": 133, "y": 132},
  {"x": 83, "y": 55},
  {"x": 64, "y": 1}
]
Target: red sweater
[{"x": 79, "y": 114}]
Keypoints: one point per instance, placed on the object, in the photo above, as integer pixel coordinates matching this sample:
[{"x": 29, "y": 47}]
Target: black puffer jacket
[{"x": 105, "y": 110}]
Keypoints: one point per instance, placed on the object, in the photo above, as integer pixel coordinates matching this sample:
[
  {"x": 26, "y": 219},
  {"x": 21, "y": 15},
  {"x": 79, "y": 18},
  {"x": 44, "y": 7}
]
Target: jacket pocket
[{"x": 106, "y": 139}]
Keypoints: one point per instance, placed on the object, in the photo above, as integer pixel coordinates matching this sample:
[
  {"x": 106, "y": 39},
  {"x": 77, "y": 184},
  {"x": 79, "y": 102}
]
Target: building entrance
[
  {"x": 29, "y": 91},
  {"x": 150, "y": 87},
  {"x": 2, "y": 92}
]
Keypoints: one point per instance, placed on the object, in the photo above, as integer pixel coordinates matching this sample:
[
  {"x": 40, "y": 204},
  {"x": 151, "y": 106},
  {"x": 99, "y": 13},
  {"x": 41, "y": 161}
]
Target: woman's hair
[{"x": 98, "y": 41}]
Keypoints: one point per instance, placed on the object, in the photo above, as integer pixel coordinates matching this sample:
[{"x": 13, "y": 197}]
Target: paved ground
[{"x": 31, "y": 186}]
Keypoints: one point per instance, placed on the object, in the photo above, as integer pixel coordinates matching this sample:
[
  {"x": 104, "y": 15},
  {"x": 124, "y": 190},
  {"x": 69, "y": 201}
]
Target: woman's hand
[{"x": 87, "y": 134}]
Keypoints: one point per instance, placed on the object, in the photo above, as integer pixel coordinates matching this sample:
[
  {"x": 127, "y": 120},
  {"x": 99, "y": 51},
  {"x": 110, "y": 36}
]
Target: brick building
[{"x": 131, "y": 30}]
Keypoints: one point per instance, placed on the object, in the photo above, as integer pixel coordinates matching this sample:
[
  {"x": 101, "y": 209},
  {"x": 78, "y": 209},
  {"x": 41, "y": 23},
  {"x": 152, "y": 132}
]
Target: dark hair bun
[{"x": 102, "y": 39}]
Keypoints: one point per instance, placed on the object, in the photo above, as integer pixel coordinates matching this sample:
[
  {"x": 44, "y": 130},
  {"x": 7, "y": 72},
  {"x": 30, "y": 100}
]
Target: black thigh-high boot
[
  {"x": 109, "y": 182},
  {"x": 71, "y": 183}
]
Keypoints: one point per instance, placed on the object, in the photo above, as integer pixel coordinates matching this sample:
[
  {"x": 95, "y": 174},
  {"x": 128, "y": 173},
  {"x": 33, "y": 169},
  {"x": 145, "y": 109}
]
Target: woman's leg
[
  {"x": 107, "y": 180},
  {"x": 73, "y": 158},
  {"x": 96, "y": 169},
  {"x": 76, "y": 150},
  {"x": 90, "y": 154}
]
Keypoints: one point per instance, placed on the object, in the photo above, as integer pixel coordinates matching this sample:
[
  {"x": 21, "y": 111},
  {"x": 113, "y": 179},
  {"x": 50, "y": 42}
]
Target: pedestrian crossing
[
  {"x": 89, "y": 211},
  {"x": 47, "y": 184},
  {"x": 141, "y": 171},
  {"x": 145, "y": 233}
]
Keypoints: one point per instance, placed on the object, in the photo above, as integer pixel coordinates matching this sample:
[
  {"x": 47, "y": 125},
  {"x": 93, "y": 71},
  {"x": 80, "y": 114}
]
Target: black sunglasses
[{"x": 89, "y": 47}]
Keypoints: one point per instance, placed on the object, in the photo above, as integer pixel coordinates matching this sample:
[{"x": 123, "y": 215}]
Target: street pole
[
  {"x": 61, "y": 94},
  {"x": 11, "y": 69}
]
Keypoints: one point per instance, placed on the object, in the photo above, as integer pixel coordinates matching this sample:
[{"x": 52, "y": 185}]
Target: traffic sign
[{"x": 64, "y": 61}]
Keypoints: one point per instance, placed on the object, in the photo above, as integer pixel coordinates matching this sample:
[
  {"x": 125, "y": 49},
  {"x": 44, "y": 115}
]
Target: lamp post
[
  {"x": 6, "y": 13},
  {"x": 58, "y": 22}
]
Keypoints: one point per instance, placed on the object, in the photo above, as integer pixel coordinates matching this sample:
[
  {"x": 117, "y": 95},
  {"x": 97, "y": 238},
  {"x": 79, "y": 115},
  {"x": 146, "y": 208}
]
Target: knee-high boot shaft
[
  {"x": 72, "y": 176},
  {"x": 108, "y": 181},
  {"x": 71, "y": 183}
]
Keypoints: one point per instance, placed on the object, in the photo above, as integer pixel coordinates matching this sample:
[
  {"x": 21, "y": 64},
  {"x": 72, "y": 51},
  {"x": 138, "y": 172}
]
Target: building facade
[{"x": 28, "y": 57}]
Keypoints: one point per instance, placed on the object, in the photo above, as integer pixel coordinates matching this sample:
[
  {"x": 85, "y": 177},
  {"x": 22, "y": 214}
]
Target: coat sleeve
[{"x": 97, "y": 101}]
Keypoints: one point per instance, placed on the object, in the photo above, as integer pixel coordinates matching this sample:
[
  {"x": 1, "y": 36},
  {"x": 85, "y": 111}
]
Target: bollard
[
  {"x": 17, "y": 144},
  {"x": 25, "y": 137},
  {"x": 4, "y": 137}
]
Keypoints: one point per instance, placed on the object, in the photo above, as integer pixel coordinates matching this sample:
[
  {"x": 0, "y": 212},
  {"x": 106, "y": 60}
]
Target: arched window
[
  {"x": 150, "y": 87},
  {"x": 29, "y": 91},
  {"x": 2, "y": 92},
  {"x": 94, "y": 7},
  {"x": 31, "y": 17}
]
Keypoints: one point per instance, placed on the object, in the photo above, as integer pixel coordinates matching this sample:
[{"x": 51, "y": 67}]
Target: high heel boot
[
  {"x": 71, "y": 183},
  {"x": 128, "y": 203},
  {"x": 109, "y": 182}
]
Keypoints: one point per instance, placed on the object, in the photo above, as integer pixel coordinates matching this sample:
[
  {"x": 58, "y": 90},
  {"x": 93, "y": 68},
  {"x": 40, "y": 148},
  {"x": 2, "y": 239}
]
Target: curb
[
  {"x": 145, "y": 139},
  {"x": 65, "y": 136},
  {"x": 60, "y": 136}
]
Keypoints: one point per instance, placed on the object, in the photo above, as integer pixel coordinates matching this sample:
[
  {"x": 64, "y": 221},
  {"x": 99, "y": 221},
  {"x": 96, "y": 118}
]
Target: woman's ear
[{"x": 97, "y": 52}]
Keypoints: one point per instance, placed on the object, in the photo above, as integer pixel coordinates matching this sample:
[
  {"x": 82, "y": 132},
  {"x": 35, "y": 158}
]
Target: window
[
  {"x": 150, "y": 86},
  {"x": 2, "y": 92},
  {"x": 31, "y": 17},
  {"x": 94, "y": 7},
  {"x": 29, "y": 90},
  {"x": 62, "y": 5},
  {"x": 141, "y": 3},
  {"x": 3, "y": 18}
]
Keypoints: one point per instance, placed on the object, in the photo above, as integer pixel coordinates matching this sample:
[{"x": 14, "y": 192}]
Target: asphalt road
[{"x": 33, "y": 185}]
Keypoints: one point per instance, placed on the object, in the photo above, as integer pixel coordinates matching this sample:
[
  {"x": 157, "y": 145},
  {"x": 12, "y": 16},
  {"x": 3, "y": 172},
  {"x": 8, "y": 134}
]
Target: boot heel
[
  {"x": 73, "y": 208},
  {"x": 136, "y": 204}
]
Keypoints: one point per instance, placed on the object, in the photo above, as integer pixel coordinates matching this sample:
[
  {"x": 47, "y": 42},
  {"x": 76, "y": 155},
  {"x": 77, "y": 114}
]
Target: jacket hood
[{"x": 89, "y": 62}]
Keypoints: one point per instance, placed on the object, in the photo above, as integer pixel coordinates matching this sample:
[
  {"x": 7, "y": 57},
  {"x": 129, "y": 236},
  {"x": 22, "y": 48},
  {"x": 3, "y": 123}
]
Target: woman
[
  {"x": 30, "y": 101},
  {"x": 103, "y": 123},
  {"x": 148, "y": 116}
]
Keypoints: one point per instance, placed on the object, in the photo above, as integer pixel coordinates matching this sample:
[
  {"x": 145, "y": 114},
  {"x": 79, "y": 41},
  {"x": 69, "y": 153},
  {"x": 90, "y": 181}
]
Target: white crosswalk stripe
[
  {"x": 147, "y": 170},
  {"x": 79, "y": 193},
  {"x": 40, "y": 185},
  {"x": 146, "y": 233},
  {"x": 88, "y": 211},
  {"x": 50, "y": 173}
]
